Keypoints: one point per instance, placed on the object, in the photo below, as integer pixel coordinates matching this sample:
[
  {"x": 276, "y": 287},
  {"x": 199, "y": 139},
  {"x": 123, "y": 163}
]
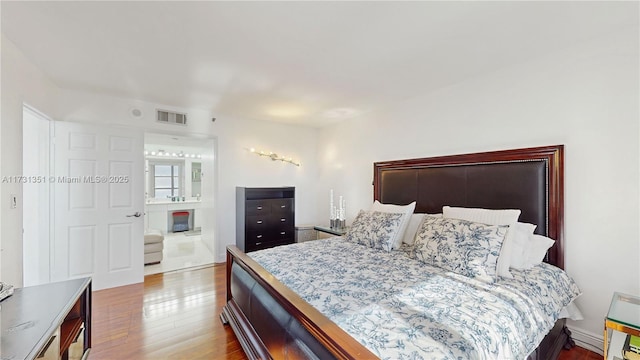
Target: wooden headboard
[{"x": 528, "y": 179}]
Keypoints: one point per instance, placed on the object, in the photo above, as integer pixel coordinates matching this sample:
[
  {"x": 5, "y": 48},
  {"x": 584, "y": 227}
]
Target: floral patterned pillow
[
  {"x": 464, "y": 247},
  {"x": 375, "y": 229}
]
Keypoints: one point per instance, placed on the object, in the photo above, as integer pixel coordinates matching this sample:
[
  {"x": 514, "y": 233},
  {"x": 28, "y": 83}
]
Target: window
[{"x": 166, "y": 180}]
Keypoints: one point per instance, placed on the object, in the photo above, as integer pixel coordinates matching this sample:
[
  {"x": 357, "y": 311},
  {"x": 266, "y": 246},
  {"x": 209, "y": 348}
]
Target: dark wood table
[{"x": 35, "y": 317}]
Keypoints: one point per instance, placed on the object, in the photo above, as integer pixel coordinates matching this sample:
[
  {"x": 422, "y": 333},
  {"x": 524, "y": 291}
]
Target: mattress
[{"x": 401, "y": 308}]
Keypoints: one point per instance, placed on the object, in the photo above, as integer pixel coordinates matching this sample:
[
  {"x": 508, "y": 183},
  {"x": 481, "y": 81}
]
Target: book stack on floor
[{"x": 631, "y": 348}]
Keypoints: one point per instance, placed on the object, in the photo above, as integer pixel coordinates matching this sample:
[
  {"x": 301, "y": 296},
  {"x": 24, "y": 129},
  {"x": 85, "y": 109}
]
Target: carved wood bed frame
[{"x": 271, "y": 321}]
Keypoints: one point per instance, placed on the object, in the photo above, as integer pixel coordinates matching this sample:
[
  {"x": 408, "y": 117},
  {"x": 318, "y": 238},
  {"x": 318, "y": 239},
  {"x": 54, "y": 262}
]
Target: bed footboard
[{"x": 270, "y": 321}]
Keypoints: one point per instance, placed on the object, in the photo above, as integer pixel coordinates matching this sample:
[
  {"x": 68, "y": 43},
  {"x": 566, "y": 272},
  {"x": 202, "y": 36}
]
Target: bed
[{"x": 272, "y": 321}]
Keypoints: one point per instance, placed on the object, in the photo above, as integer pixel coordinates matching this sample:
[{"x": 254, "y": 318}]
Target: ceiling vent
[{"x": 169, "y": 117}]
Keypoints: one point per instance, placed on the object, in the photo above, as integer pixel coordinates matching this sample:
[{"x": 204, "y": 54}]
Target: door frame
[{"x": 38, "y": 271}]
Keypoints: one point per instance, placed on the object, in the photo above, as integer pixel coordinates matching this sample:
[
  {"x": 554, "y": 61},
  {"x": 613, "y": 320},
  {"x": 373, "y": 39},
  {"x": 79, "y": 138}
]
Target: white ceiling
[{"x": 308, "y": 63}]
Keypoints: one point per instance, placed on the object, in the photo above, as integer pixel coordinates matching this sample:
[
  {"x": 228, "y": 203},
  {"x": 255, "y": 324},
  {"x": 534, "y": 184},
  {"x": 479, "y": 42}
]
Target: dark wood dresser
[
  {"x": 50, "y": 321},
  {"x": 265, "y": 217}
]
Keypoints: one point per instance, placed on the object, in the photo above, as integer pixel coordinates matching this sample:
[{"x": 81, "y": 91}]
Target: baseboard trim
[{"x": 587, "y": 340}]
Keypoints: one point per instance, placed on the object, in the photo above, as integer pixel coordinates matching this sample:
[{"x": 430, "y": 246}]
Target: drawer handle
[
  {"x": 282, "y": 232},
  {"x": 259, "y": 236},
  {"x": 259, "y": 222},
  {"x": 259, "y": 207},
  {"x": 283, "y": 206},
  {"x": 258, "y": 243},
  {"x": 283, "y": 220}
]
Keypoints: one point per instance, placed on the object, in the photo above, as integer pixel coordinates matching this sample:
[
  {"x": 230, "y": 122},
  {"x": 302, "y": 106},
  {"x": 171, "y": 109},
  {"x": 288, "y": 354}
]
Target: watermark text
[{"x": 85, "y": 179}]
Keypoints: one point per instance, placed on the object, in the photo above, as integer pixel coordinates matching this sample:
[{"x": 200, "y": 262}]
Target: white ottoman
[{"x": 153, "y": 245}]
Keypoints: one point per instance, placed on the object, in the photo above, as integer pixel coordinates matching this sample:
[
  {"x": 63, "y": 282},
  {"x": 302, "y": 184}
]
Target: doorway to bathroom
[{"x": 179, "y": 202}]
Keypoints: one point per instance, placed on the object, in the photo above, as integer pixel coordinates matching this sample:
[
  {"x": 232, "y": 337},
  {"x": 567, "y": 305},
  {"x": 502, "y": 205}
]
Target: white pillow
[
  {"x": 407, "y": 210},
  {"x": 491, "y": 217},
  {"x": 538, "y": 246},
  {"x": 412, "y": 228},
  {"x": 521, "y": 244},
  {"x": 414, "y": 223}
]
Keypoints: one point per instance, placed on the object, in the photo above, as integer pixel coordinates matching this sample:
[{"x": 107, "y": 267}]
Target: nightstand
[
  {"x": 326, "y": 232},
  {"x": 305, "y": 233},
  {"x": 623, "y": 318}
]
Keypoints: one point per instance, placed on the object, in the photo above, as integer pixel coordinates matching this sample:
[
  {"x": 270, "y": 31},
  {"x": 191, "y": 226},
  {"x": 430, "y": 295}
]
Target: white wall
[
  {"x": 236, "y": 166},
  {"x": 585, "y": 97},
  {"x": 22, "y": 82}
]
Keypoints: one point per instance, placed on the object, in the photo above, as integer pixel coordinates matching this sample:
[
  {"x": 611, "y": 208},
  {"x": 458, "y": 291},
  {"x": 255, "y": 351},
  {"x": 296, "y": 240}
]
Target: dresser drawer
[
  {"x": 285, "y": 234},
  {"x": 257, "y": 207},
  {"x": 282, "y": 205},
  {"x": 280, "y": 220},
  {"x": 258, "y": 237},
  {"x": 269, "y": 245},
  {"x": 259, "y": 222},
  {"x": 270, "y": 234}
]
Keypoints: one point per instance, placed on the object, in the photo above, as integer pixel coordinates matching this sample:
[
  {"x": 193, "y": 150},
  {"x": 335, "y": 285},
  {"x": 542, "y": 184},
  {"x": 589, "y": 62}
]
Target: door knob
[{"x": 137, "y": 214}]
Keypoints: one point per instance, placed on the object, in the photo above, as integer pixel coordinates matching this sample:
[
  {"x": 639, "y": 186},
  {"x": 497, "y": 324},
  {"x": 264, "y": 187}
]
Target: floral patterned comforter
[{"x": 401, "y": 308}]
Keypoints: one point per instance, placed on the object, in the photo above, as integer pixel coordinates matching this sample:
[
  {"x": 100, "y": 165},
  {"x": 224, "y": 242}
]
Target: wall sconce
[{"x": 274, "y": 156}]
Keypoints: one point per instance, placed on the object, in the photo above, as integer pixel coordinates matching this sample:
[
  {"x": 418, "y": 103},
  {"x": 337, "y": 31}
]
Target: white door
[{"x": 99, "y": 201}]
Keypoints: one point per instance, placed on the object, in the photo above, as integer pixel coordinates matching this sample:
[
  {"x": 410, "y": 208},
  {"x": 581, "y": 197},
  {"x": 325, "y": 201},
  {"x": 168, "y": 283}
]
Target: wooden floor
[
  {"x": 171, "y": 316},
  {"x": 175, "y": 316},
  {"x": 578, "y": 353}
]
